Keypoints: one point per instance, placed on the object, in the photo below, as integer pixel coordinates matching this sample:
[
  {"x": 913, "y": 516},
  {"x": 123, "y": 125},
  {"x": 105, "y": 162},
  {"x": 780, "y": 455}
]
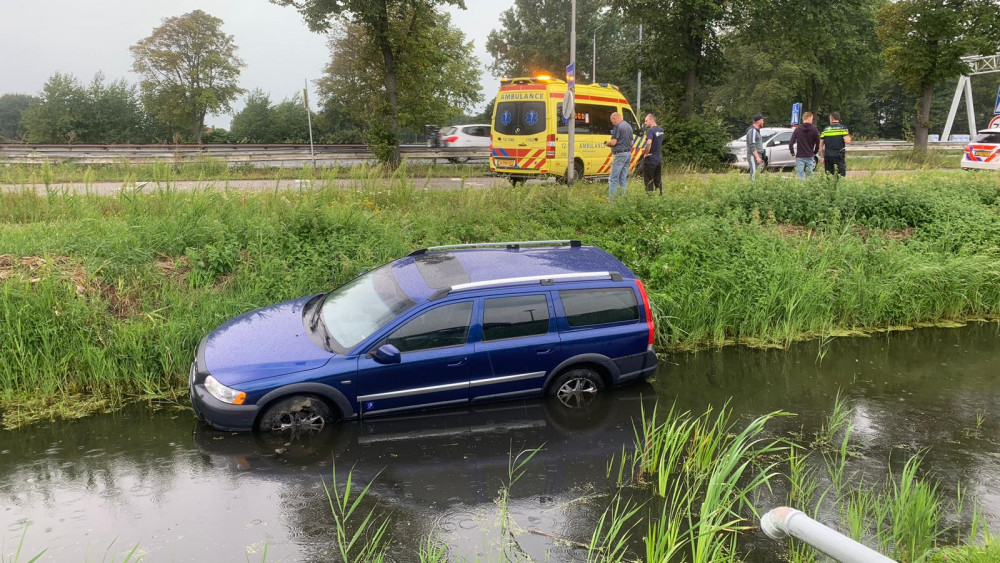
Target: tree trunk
[
  {"x": 923, "y": 119},
  {"x": 389, "y": 59},
  {"x": 198, "y": 125},
  {"x": 690, "y": 88}
]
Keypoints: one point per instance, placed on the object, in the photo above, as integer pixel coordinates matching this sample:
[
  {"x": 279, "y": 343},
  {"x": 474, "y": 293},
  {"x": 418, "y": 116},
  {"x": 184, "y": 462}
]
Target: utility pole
[
  {"x": 568, "y": 102},
  {"x": 638, "y": 95},
  {"x": 305, "y": 102},
  {"x": 593, "y": 71}
]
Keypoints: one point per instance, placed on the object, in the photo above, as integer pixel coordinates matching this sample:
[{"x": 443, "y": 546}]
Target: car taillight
[
  {"x": 451, "y": 139},
  {"x": 649, "y": 311},
  {"x": 550, "y": 146}
]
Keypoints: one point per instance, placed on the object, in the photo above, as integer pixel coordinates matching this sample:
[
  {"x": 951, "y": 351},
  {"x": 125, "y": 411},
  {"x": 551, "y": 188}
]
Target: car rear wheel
[
  {"x": 298, "y": 414},
  {"x": 577, "y": 387}
]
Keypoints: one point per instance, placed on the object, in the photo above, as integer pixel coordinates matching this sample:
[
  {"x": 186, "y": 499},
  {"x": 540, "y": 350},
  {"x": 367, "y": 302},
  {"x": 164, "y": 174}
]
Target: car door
[
  {"x": 520, "y": 343},
  {"x": 777, "y": 151},
  {"x": 436, "y": 361}
]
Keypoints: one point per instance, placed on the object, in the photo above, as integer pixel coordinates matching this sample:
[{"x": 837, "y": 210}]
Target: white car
[
  {"x": 475, "y": 135},
  {"x": 983, "y": 153},
  {"x": 776, "y": 153}
]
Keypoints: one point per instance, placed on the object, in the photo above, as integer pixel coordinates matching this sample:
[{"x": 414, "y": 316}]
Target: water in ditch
[{"x": 154, "y": 478}]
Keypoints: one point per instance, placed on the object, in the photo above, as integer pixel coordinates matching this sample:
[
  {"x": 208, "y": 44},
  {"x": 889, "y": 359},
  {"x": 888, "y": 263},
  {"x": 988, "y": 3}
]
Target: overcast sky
[{"x": 82, "y": 37}]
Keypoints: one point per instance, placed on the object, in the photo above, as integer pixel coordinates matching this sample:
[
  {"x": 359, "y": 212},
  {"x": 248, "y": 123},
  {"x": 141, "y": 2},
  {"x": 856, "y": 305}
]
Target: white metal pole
[
  {"x": 571, "y": 122},
  {"x": 969, "y": 109},
  {"x": 954, "y": 108},
  {"x": 784, "y": 521},
  {"x": 593, "y": 71},
  {"x": 305, "y": 100},
  {"x": 638, "y": 96}
]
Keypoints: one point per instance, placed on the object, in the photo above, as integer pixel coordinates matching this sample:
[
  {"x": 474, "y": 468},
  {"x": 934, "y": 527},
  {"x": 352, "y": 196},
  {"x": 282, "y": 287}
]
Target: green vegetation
[{"x": 105, "y": 297}]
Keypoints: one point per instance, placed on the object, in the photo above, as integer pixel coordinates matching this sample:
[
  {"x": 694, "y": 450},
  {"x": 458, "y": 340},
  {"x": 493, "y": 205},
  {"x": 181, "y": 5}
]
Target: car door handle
[
  {"x": 541, "y": 351},
  {"x": 457, "y": 362}
]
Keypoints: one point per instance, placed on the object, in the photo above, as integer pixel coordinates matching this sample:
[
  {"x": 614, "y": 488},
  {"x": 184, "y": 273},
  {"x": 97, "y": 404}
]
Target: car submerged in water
[{"x": 443, "y": 326}]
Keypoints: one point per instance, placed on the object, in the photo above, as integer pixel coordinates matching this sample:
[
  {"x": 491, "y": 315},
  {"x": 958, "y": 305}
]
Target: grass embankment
[{"x": 105, "y": 297}]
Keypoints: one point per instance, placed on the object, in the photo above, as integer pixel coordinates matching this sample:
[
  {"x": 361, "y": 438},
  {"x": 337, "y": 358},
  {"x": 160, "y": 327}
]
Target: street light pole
[
  {"x": 593, "y": 71},
  {"x": 571, "y": 120}
]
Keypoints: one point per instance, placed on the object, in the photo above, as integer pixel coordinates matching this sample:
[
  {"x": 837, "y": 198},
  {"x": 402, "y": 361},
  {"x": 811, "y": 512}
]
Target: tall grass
[{"x": 132, "y": 281}]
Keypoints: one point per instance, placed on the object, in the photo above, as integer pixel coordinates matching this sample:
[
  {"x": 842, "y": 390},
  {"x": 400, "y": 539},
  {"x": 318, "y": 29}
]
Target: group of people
[
  {"x": 621, "y": 154},
  {"x": 807, "y": 145}
]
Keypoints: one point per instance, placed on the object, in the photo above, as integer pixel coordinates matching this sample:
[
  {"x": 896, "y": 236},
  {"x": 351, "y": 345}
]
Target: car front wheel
[
  {"x": 298, "y": 414},
  {"x": 577, "y": 387}
]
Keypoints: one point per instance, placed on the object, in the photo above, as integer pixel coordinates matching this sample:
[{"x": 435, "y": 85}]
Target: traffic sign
[
  {"x": 996, "y": 108},
  {"x": 571, "y": 77},
  {"x": 796, "y": 112},
  {"x": 568, "y": 105},
  {"x": 994, "y": 123}
]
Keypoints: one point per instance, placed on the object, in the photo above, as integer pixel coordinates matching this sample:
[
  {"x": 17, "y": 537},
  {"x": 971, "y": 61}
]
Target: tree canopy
[{"x": 189, "y": 68}]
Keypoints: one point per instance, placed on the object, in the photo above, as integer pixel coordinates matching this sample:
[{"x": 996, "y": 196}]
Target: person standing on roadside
[
  {"x": 755, "y": 145},
  {"x": 652, "y": 155},
  {"x": 804, "y": 146},
  {"x": 833, "y": 143},
  {"x": 621, "y": 153}
]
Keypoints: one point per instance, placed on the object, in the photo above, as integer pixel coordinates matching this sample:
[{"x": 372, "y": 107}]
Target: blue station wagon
[{"x": 443, "y": 326}]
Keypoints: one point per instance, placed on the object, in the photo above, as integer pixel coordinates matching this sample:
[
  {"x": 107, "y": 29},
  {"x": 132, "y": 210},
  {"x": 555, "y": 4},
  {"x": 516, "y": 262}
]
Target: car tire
[
  {"x": 577, "y": 387},
  {"x": 297, "y": 414}
]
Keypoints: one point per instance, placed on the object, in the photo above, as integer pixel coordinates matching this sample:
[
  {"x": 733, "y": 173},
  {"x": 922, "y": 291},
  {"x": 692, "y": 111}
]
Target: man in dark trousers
[
  {"x": 833, "y": 143},
  {"x": 652, "y": 153},
  {"x": 804, "y": 146}
]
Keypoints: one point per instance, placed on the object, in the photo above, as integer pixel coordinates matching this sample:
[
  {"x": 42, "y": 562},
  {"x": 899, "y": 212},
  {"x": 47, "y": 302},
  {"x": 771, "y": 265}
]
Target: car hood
[{"x": 264, "y": 343}]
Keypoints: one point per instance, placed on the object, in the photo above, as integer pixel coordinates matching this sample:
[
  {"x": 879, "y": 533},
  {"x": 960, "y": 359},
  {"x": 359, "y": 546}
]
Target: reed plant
[{"x": 361, "y": 536}]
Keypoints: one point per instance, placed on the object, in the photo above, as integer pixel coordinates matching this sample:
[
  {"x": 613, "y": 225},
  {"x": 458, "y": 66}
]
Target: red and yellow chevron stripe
[{"x": 531, "y": 160}]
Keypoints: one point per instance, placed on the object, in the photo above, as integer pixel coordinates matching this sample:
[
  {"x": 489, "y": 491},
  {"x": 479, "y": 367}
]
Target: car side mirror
[{"x": 386, "y": 354}]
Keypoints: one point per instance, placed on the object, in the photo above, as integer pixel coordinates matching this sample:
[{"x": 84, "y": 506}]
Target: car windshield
[
  {"x": 988, "y": 137},
  {"x": 357, "y": 309},
  {"x": 765, "y": 136}
]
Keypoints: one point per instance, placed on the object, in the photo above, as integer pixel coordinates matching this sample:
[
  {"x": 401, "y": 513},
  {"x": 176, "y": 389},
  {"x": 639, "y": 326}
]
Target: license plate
[
  {"x": 982, "y": 154},
  {"x": 504, "y": 162}
]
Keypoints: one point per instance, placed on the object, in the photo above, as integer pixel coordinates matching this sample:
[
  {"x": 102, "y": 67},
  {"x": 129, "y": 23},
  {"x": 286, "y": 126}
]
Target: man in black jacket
[
  {"x": 804, "y": 146},
  {"x": 833, "y": 143}
]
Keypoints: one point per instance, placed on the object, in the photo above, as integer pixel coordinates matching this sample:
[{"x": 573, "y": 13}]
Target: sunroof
[{"x": 441, "y": 270}]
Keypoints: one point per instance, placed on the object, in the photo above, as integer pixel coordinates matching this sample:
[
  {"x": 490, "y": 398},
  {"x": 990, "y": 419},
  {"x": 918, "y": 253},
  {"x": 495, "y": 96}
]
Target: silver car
[{"x": 776, "y": 153}]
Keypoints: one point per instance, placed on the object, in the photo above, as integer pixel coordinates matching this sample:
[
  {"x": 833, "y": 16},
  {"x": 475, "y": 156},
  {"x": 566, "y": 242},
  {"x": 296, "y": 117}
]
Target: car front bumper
[
  {"x": 237, "y": 418},
  {"x": 976, "y": 165}
]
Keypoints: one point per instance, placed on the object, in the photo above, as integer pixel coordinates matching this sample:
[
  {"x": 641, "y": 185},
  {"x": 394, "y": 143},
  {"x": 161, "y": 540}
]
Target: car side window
[
  {"x": 440, "y": 327},
  {"x": 586, "y": 307},
  {"x": 515, "y": 317},
  {"x": 782, "y": 139}
]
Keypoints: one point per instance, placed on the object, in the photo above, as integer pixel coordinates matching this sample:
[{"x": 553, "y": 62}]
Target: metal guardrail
[
  {"x": 292, "y": 153},
  {"x": 783, "y": 522}
]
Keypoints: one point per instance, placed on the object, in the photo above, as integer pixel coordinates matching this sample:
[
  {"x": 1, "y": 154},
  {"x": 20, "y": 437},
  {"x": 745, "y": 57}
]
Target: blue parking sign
[
  {"x": 996, "y": 108},
  {"x": 796, "y": 112}
]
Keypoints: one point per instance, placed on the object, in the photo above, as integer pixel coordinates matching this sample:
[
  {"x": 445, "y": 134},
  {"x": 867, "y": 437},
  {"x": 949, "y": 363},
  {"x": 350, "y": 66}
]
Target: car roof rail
[
  {"x": 508, "y": 245},
  {"x": 542, "y": 279}
]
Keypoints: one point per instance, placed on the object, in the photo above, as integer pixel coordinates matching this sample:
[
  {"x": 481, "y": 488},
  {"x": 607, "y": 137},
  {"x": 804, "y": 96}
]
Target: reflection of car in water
[{"x": 436, "y": 446}]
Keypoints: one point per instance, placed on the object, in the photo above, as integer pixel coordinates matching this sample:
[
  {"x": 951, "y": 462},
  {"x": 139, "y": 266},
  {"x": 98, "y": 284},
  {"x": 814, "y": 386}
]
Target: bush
[{"x": 698, "y": 141}]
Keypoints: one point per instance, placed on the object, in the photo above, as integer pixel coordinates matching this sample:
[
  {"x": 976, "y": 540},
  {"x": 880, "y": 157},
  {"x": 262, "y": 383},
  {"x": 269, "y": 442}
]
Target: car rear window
[
  {"x": 586, "y": 307},
  {"x": 515, "y": 317},
  {"x": 988, "y": 138},
  {"x": 520, "y": 118}
]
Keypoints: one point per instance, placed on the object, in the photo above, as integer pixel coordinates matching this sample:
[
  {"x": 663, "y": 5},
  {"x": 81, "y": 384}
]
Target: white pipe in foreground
[{"x": 784, "y": 521}]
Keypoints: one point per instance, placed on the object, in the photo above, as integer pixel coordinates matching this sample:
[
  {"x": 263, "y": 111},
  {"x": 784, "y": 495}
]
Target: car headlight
[{"x": 223, "y": 393}]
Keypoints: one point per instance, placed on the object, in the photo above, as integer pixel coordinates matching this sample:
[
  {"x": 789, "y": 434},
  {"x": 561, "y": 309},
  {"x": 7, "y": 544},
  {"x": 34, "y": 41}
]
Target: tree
[
  {"x": 682, "y": 47},
  {"x": 189, "y": 67},
  {"x": 437, "y": 77},
  {"x": 924, "y": 41},
  {"x": 786, "y": 51},
  {"x": 12, "y": 108},
  {"x": 253, "y": 123},
  {"x": 387, "y": 25},
  {"x": 57, "y": 116},
  {"x": 114, "y": 114}
]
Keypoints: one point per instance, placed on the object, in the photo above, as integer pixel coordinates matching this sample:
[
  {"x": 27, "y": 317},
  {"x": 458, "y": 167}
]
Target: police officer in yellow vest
[{"x": 833, "y": 143}]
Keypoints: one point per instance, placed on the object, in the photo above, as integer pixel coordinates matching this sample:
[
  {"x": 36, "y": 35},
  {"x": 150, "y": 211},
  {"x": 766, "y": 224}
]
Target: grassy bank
[{"x": 105, "y": 297}]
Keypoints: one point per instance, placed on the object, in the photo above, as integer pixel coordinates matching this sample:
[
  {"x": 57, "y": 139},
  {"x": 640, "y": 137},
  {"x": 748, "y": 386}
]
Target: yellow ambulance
[{"x": 530, "y": 135}]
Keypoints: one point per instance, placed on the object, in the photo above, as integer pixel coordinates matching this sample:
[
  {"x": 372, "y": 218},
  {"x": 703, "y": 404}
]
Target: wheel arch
[
  {"x": 333, "y": 397},
  {"x": 603, "y": 365}
]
